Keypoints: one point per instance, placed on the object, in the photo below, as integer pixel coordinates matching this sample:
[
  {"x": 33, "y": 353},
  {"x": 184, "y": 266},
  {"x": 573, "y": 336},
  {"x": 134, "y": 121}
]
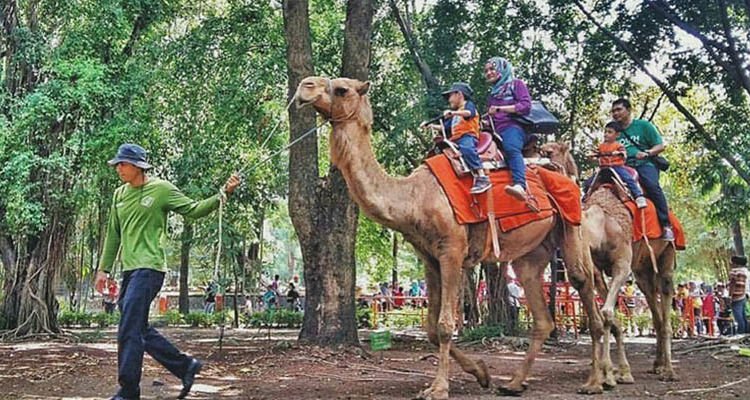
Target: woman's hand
[{"x": 448, "y": 114}]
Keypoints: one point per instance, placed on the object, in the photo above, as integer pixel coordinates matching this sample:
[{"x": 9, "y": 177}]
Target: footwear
[
  {"x": 187, "y": 381},
  {"x": 481, "y": 185},
  {"x": 118, "y": 397},
  {"x": 667, "y": 234},
  {"x": 640, "y": 201},
  {"x": 516, "y": 191}
]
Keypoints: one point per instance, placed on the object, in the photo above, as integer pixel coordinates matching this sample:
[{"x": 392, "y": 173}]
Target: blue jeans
[
  {"x": 738, "y": 311},
  {"x": 514, "y": 139},
  {"x": 626, "y": 177},
  {"x": 468, "y": 146},
  {"x": 134, "y": 335},
  {"x": 648, "y": 175}
]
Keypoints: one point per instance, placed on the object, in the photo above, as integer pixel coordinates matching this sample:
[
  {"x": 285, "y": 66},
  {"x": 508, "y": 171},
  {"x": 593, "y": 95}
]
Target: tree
[{"x": 324, "y": 216}]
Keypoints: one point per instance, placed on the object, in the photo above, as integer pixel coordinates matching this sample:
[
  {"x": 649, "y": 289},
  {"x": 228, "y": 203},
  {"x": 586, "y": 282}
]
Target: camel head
[
  {"x": 559, "y": 153},
  {"x": 340, "y": 99}
]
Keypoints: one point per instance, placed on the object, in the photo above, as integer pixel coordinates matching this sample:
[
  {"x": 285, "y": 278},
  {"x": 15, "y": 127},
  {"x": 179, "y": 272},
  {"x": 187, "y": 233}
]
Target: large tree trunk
[
  {"x": 29, "y": 306},
  {"x": 324, "y": 216},
  {"x": 187, "y": 243}
]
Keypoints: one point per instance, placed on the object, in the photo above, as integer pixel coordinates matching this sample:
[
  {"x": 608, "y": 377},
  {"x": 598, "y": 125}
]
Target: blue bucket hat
[
  {"x": 131, "y": 154},
  {"x": 460, "y": 87}
]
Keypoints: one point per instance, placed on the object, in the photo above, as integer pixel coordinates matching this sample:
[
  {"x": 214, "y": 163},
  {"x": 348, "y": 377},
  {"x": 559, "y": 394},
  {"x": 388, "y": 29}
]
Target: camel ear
[{"x": 363, "y": 88}]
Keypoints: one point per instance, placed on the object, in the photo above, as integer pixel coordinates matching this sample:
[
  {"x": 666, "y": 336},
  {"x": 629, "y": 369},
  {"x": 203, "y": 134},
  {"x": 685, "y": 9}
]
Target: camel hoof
[
  {"x": 625, "y": 379},
  {"x": 432, "y": 394},
  {"x": 590, "y": 389},
  {"x": 483, "y": 376},
  {"x": 508, "y": 390},
  {"x": 668, "y": 376},
  {"x": 609, "y": 383}
]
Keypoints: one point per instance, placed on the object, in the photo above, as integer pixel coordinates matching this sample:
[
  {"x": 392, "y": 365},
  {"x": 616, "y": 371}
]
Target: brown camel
[
  {"x": 417, "y": 207},
  {"x": 608, "y": 229}
]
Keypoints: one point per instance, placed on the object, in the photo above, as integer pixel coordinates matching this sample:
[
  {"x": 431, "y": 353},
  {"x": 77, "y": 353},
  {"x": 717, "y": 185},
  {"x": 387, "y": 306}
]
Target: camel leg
[
  {"x": 646, "y": 281},
  {"x": 477, "y": 368},
  {"x": 450, "y": 277},
  {"x": 620, "y": 271},
  {"x": 583, "y": 282},
  {"x": 529, "y": 271},
  {"x": 432, "y": 278},
  {"x": 666, "y": 286},
  {"x": 624, "y": 374}
]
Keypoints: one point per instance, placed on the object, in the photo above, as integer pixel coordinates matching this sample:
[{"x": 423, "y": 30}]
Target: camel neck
[{"x": 380, "y": 196}]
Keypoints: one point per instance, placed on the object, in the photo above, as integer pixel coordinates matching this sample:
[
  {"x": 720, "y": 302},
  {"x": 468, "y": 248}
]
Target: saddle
[
  {"x": 490, "y": 153},
  {"x": 608, "y": 178}
]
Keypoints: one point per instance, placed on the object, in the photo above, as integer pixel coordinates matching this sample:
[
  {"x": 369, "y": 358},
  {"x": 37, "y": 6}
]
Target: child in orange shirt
[{"x": 612, "y": 154}]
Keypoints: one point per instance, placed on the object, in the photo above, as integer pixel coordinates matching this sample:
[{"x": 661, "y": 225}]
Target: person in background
[
  {"x": 737, "y": 289},
  {"x": 110, "y": 296},
  {"x": 709, "y": 311},
  {"x": 209, "y": 299}
]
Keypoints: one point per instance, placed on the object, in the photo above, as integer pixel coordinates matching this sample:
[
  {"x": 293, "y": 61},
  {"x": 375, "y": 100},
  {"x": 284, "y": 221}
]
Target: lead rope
[{"x": 222, "y": 201}]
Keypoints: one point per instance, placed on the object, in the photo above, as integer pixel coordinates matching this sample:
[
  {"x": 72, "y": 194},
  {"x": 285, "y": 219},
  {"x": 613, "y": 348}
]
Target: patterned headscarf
[{"x": 504, "y": 71}]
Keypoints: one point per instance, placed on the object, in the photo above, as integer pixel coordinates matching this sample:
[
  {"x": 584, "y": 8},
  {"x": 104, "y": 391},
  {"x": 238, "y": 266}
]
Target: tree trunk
[
  {"x": 394, "y": 254},
  {"x": 323, "y": 215},
  {"x": 29, "y": 306},
  {"x": 498, "y": 304},
  {"x": 470, "y": 305},
  {"x": 739, "y": 246},
  {"x": 187, "y": 243}
]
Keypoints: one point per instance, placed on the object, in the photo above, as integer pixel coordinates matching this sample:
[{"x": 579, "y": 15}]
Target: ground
[{"x": 252, "y": 366}]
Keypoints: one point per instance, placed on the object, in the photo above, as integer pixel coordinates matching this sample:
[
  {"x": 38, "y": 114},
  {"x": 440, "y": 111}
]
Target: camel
[
  {"x": 417, "y": 207},
  {"x": 607, "y": 229}
]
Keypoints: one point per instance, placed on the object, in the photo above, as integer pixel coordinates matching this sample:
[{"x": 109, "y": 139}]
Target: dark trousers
[
  {"x": 648, "y": 175},
  {"x": 514, "y": 139},
  {"x": 134, "y": 335},
  {"x": 467, "y": 144},
  {"x": 738, "y": 311}
]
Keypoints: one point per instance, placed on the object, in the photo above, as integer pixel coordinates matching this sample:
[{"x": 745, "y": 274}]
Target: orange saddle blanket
[
  {"x": 510, "y": 212},
  {"x": 653, "y": 228}
]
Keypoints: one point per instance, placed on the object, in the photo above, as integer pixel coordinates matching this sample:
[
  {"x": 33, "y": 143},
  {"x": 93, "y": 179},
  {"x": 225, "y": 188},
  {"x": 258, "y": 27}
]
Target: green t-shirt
[
  {"x": 138, "y": 223},
  {"x": 645, "y": 135}
]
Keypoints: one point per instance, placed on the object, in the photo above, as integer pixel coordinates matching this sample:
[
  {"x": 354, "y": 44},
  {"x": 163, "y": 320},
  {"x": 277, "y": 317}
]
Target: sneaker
[
  {"x": 516, "y": 191},
  {"x": 667, "y": 234},
  {"x": 187, "y": 381},
  {"x": 640, "y": 201},
  {"x": 481, "y": 185}
]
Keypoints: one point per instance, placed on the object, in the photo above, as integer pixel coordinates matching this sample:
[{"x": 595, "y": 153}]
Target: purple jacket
[{"x": 518, "y": 94}]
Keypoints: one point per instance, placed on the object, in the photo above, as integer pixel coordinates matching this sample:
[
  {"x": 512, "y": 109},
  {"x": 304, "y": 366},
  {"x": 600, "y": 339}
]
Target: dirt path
[{"x": 252, "y": 367}]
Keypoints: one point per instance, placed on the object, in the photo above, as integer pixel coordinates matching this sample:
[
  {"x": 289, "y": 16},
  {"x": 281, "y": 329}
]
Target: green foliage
[
  {"x": 364, "y": 317},
  {"x": 482, "y": 332},
  {"x": 275, "y": 318},
  {"x": 643, "y": 322},
  {"x": 404, "y": 318},
  {"x": 68, "y": 319},
  {"x": 103, "y": 320},
  {"x": 172, "y": 317},
  {"x": 199, "y": 319}
]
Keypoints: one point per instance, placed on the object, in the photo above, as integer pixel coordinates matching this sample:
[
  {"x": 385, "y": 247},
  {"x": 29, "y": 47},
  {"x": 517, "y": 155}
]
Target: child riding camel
[
  {"x": 462, "y": 122},
  {"x": 612, "y": 154}
]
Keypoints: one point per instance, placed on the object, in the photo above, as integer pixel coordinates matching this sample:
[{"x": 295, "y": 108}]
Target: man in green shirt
[
  {"x": 648, "y": 143},
  {"x": 137, "y": 228}
]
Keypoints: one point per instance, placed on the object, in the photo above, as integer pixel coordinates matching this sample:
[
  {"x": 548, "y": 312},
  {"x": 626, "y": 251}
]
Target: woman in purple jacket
[{"x": 509, "y": 96}]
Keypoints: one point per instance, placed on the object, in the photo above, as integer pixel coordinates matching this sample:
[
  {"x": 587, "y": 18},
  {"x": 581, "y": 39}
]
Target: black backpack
[{"x": 538, "y": 120}]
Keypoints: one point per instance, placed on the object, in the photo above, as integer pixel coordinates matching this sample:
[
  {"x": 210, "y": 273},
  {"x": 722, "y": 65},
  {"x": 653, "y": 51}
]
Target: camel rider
[
  {"x": 462, "y": 121},
  {"x": 509, "y": 96},
  {"x": 646, "y": 136}
]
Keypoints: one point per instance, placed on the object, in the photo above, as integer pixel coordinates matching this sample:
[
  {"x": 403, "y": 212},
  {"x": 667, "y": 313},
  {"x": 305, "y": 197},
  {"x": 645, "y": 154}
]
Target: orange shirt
[
  {"x": 606, "y": 158},
  {"x": 460, "y": 126}
]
